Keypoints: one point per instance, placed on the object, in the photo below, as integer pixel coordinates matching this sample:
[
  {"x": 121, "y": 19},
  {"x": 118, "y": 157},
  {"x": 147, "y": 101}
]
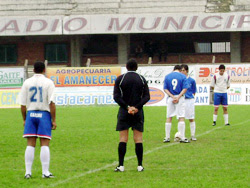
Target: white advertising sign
[
  {"x": 98, "y": 95},
  {"x": 202, "y": 95},
  {"x": 239, "y": 94},
  {"x": 11, "y": 77}
]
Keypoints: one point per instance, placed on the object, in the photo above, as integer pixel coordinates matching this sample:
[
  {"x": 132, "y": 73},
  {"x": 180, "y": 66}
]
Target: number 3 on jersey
[
  {"x": 174, "y": 83},
  {"x": 33, "y": 98}
]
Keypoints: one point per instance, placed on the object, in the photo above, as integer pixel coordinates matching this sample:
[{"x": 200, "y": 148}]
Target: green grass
[{"x": 84, "y": 151}]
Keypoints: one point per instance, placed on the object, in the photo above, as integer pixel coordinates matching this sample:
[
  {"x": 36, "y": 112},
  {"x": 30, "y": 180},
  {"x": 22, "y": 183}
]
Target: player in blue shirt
[
  {"x": 175, "y": 86},
  {"x": 189, "y": 101}
]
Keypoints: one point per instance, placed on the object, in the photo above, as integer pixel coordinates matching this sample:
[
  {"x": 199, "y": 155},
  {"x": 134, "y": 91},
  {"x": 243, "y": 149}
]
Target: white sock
[
  {"x": 29, "y": 158},
  {"x": 214, "y": 117},
  {"x": 168, "y": 129},
  {"x": 192, "y": 128},
  {"x": 181, "y": 129},
  {"x": 226, "y": 118},
  {"x": 45, "y": 159}
]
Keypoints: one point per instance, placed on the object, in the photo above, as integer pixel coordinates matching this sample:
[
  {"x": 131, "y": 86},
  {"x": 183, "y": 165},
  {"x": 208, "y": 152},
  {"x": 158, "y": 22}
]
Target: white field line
[{"x": 132, "y": 157}]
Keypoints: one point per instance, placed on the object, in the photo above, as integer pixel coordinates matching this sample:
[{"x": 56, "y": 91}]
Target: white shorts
[
  {"x": 189, "y": 109},
  {"x": 177, "y": 110}
]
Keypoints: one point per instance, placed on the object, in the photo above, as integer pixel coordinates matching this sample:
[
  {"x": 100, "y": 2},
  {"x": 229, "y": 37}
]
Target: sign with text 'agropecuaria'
[{"x": 83, "y": 76}]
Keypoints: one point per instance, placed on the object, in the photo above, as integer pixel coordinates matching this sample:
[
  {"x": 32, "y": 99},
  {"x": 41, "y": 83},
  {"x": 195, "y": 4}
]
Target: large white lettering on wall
[{"x": 137, "y": 23}]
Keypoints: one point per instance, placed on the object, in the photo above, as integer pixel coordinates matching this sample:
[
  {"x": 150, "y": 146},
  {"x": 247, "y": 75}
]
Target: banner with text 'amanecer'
[{"x": 83, "y": 76}]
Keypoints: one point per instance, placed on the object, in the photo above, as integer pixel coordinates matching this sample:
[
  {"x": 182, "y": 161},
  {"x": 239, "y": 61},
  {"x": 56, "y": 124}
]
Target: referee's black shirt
[{"x": 131, "y": 89}]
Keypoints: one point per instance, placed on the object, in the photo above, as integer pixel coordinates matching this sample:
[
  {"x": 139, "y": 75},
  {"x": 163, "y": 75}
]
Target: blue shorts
[
  {"x": 220, "y": 98},
  {"x": 38, "y": 124}
]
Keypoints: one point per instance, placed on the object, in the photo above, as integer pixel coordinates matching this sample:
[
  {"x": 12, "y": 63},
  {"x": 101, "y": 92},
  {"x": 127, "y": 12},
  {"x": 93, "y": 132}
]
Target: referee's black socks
[
  {"x": 121, "y": 152},
  {"x": 139, "y": 153}
]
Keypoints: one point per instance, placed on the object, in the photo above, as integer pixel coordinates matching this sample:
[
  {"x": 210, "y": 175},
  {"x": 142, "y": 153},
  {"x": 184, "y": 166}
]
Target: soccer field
[{"x": 84, "y": 151}]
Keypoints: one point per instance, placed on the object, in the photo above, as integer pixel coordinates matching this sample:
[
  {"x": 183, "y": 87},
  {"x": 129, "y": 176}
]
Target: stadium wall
[
  {"x": 246, "y": 48},
  {"x": 33, "y": 48}
]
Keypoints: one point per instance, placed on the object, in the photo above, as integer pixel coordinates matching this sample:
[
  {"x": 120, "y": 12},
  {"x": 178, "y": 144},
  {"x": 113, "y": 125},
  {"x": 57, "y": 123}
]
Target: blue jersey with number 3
[{"x": 175, "y": 82}]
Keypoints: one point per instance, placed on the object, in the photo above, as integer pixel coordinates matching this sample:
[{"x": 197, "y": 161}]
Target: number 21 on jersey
[{"x": 37, "y": 93}]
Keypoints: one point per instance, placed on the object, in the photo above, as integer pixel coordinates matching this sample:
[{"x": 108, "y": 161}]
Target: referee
[{"x": 131, "y": 93}]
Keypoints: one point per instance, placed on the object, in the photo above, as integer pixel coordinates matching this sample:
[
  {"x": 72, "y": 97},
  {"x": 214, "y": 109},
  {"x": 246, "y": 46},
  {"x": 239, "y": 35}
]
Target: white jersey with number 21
[{"x": 37, "y": 93}]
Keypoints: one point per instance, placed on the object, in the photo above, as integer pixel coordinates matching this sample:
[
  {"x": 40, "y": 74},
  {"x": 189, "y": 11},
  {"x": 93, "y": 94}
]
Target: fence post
[
  {"x": 180, "y": 58},
  {"x": 88, "y": 62},
  {"x": 46, "y": 65},
  {"x": 213, "y": 60},
  {"x": 150, "y": 60},
  {"x": 26, "y": 69}
]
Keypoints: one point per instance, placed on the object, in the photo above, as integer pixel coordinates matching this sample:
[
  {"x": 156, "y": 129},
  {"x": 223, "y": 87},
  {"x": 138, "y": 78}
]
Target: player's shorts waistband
[
  {"x": 37, "y": 111},
  {"x": 37, "y": 114},
  {"x": 178, "y": 95}
]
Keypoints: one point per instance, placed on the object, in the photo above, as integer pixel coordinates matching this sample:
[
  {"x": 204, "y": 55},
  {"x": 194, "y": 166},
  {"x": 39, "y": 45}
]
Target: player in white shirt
[
  {"x": 220, "y": 83},
  {"x": 39, "y": 116}
]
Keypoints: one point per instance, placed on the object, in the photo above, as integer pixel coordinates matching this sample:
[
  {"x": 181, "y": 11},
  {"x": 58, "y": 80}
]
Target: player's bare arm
[
  {"x": 175, "y": 99},
  {"x": 169, "y": 93},
  {"x": 182, "y": 93},
  {"x": 23, "y": 111},
  {"x": 53, "y": 114}
]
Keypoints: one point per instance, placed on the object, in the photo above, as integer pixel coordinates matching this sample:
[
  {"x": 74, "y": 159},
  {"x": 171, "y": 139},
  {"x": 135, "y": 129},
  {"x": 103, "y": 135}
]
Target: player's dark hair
[
  {"x": 177, "y": 67},
  {"x": 184, "y": 67},
  {"x": 39, "y": 67},
  {"x": 222, "y": 67},
  {"x": 131, "y": 65}
]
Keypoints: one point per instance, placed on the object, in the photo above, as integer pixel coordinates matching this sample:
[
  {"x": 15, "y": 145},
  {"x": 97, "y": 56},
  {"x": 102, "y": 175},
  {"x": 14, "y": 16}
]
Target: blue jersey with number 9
[{"x": 175, "y": 82}]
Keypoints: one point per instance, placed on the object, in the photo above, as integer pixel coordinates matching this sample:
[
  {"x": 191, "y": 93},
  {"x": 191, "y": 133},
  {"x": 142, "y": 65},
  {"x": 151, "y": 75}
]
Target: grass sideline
[{"x": 84, "y": 151}]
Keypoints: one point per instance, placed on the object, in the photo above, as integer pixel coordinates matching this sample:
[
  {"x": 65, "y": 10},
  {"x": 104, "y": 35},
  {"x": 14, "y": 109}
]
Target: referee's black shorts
[{"x": 126, "y": 120}]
